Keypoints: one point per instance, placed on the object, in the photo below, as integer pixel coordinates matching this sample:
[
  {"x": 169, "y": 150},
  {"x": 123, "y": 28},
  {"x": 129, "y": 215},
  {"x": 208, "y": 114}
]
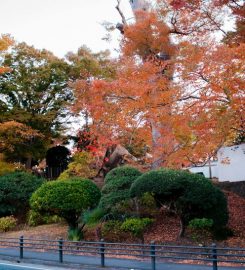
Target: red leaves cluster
[
  {"x": 87, "y": 142},
  {"x": 178, "y": 4}
]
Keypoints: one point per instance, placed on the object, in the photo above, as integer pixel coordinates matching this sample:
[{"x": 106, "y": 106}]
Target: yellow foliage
[
  {"x": 6, "y": 167},
  {"x": 82, "y": 166},
  {"x": 5, "y": 42}
]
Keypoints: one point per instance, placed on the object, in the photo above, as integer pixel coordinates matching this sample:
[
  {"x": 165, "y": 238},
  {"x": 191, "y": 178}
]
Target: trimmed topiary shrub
[
  {"x": 117, "y": 186},
  {"x": 75, "y": 178},
  {"x": 15, "y": 191},
  {"x": 126, "y": 173},
  {"x": 7, "y": 223},
  {"x": 188, "y": 195},
  {"x": 66, "y": 198}
]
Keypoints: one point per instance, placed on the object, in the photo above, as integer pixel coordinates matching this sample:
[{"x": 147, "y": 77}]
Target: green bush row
[{"x": 16, "y": 189}]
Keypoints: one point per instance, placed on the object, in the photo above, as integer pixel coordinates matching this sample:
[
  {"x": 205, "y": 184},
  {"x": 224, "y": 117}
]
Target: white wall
[
  {"x": 231, "y": 163},
  {"x": 229, "y": 167},
  {"x": 206, "y": 170}
]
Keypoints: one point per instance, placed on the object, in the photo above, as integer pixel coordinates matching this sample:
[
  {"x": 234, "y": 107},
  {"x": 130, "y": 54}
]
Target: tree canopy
[
  {"x": 66, "y": 198},
  {"x": 58, "y": 156},
  {"x": 34, "y": 93},
  {"x": 171, "y": 82},
  {"x": 117, "y": 185}
]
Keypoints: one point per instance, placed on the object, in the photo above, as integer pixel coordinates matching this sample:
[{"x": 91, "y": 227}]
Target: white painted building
[
  {"x": 229, "y": 167},
  {"x": 231, "y": 163},
  {"x": 209, "y": 170}
]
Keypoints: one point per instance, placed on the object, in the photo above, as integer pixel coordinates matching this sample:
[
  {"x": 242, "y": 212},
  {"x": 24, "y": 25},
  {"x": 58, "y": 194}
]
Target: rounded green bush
[
  {"x": 74, "y": 178},
  {"x": 126, "y": 173},
  {"x": 188, "y": 195},
  {"x": 66, "y": 198},
  {"x": 7, "y": 223},
  {"x": 117, "y": 186},
  {"x": 136, "y": 226},
  {"x": 200, "y": 229},
  {"x": 16, "y": 189},
  {"x": 201, "y": 223}
]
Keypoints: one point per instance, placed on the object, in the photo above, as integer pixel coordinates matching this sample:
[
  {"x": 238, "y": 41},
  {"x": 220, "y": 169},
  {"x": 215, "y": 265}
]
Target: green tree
[
  {"x": 15, "y": 191},
  {"x": 15, "y": 138},
  {"x": 187, "y": 195},
  {"x": 86, "y": 64},
  {"x": 66, "y": 198},
  {"x": 34, "y": 92}
]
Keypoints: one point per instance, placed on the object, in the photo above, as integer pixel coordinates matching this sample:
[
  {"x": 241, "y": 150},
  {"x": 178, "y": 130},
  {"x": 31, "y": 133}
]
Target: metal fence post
[
  {"x": 214, "y": 257},
  {"x": 60, "y": 250},
  {"x": 21, "y": 246},
  {"x": 153, "y": 255},
  {"x": 102, "y": 252}
]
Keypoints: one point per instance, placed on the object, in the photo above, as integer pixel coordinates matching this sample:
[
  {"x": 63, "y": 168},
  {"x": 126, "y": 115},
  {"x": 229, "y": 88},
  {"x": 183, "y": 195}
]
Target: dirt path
[{"x": 51, "y": 232}]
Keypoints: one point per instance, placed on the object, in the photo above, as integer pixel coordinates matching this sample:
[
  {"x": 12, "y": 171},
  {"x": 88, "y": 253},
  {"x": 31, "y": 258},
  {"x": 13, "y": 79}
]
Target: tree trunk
[
  {"x": 136, "y": 203},
  {"x": 182, "y": 226},
  {"x": 28, "y": 163},
  {"x": 72, "y": 221},
  {"x": 159, "y": 149},
  {"x": 156, "y": 145}
]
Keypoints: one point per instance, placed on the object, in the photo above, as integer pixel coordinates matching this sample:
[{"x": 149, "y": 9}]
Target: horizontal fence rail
[{"x": 152, "y": 253}]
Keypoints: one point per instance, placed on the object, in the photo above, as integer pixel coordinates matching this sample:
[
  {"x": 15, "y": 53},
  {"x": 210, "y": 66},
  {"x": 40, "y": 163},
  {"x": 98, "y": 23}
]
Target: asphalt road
[
  {"x": 49, "y": 261},
  {"x": 6, "y": 265}
]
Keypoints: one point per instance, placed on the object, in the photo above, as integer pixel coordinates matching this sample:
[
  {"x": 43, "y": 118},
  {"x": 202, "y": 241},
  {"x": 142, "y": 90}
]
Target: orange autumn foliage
[
  {"x": 174, "y": 81},
  {"x": 13, "y": 133},
  {"x": 5, "y": 42}
]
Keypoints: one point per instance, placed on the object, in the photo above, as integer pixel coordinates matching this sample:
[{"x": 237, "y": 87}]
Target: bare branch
[
  {"x": 188, "y": 97},
  {"x": 124, "y": 22},
  {"x": 235, "y": 2},
  {"x": 121, "y": 97},
  {"x": 209, "y": 16}
]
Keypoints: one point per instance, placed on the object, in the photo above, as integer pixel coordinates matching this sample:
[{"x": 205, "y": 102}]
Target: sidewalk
[{"x": 93, "y": 262}]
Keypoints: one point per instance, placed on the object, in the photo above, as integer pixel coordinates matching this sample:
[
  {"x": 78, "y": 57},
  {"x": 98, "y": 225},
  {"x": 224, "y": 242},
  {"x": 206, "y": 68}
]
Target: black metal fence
[{"x": 152, "y": 253}]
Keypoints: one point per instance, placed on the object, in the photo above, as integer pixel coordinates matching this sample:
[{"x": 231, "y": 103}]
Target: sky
[{"x": 61, "y": 25}]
